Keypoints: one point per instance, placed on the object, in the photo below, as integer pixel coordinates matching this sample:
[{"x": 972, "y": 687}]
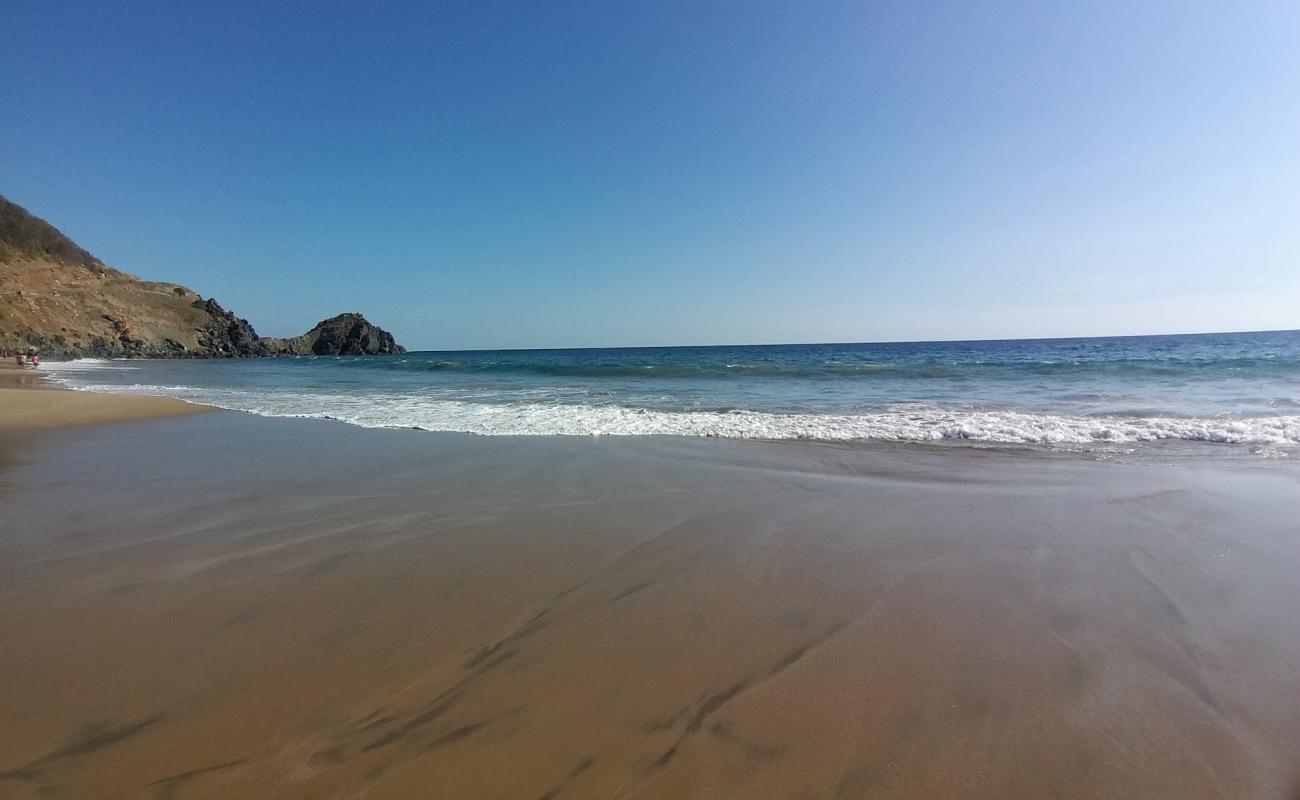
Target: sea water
[{"x": 1241, "y": 388}]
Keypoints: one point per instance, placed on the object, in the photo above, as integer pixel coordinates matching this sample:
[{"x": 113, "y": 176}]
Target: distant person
[{"x": 22, "y": 360}]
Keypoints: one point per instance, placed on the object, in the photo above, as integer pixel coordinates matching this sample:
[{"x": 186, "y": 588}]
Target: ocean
[{"x": 1238, "y": 388}]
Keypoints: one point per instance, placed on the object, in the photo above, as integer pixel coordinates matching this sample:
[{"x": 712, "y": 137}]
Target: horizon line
[{"x": 844, "y": 343}]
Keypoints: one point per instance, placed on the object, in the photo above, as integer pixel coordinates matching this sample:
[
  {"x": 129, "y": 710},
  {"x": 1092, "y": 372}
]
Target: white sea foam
[
  {"x": 87, "y": 365},
  {"x": 904, "y": 422}
]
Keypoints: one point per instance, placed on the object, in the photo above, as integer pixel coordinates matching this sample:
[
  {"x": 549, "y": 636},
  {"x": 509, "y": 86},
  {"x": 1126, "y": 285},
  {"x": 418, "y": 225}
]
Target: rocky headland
[
  {"x": 58, "y": 298},
  {"x": 345, "y": 335}
]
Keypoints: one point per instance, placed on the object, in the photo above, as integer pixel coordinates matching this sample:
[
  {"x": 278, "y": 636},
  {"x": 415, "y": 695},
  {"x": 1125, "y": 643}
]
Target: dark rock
[
  {"x": 344, "y": 335},
  {"x": 226, "y": 334}
]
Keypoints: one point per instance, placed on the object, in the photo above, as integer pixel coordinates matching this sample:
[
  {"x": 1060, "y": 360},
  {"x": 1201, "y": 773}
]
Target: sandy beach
[
  {"x": 29, "y": 401},
  {"x": 220, "y": 605},
  {"x": 650, "y": 401}
]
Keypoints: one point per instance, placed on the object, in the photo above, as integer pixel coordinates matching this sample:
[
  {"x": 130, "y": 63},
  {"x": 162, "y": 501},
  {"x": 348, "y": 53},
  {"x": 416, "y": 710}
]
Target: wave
[
  {"x": 783, "y": 364},
  {"x": 88, "y": 365},
  {"x": 908, "y": 422},
  {"x": 827, "y": 369}
]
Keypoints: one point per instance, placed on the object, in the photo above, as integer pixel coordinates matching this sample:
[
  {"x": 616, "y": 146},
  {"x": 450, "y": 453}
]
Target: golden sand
[
  {"x": 28, "y": 402},
  {"x": 306, "y": 610}
]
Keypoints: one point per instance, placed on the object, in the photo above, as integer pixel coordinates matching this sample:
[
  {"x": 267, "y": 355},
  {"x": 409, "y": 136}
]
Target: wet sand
[
  {"x": 14, "y": 377},
  {"x": 217, "y": 605},
  {"x": 29, "y": 401}
]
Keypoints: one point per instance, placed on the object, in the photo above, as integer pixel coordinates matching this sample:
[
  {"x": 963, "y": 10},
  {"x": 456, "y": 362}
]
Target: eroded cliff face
[
  {"x": 66, "y": 303},
  {"x": 74, "y": 311},
  {"x": 60, "y": 299}
]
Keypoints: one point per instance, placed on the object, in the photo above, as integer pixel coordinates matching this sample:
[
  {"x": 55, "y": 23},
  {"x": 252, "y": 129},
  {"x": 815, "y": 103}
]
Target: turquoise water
[{"x": 1235, "y": 388}]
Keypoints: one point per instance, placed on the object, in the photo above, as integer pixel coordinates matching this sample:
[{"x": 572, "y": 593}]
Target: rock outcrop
[
  {"x": 344, "y": 335},
  {"x": 65, "y": 302},
  {"x": 228, "y": 335}
]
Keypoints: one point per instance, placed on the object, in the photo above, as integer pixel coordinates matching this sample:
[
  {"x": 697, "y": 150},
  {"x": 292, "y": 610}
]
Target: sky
[{"x": 567, "y": 174}]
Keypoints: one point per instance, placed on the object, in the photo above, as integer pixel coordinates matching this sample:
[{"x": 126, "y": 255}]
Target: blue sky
[{"x": 588, "y": 174}]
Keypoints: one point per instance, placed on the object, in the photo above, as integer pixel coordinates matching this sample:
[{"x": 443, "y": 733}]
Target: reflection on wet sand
[{"x": 268, "y": 608}]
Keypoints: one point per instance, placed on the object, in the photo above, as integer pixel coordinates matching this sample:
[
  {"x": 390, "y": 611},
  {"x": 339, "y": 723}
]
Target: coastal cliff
[{"x": 60, "y": 299}]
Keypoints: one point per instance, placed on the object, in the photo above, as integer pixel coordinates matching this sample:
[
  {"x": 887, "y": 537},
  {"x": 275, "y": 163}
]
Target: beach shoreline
[
  {"x": 1213, "y": 389},
  {"x": 31, "y": 400},
  {"x": 221, "y": 604}
]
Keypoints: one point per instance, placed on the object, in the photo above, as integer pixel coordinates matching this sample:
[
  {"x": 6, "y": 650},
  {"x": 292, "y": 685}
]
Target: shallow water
[{"x": 1223, "y": 388}]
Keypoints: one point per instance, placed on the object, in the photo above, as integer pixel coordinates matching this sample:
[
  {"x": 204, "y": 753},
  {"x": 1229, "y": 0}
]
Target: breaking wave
[{"x": 903, "y": 422}]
